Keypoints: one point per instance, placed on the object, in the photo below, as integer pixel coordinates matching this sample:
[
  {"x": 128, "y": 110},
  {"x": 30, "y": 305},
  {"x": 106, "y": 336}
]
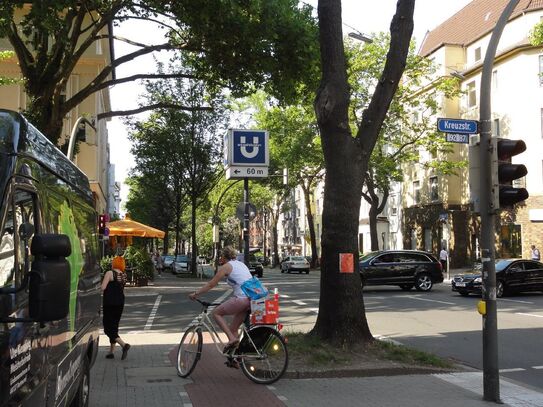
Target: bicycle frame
[{"x": 203, "y": 320}]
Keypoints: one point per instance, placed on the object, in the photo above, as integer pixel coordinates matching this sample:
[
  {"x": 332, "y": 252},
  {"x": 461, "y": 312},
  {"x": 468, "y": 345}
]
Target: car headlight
[{"x": 478, "y": 280}]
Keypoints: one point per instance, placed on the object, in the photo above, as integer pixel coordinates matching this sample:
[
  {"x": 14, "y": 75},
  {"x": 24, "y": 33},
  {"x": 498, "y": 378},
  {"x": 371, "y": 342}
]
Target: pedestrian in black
[{"x": 112, "y": 308}]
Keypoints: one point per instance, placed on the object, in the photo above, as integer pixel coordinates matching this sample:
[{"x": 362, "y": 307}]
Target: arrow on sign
[{"x": 237, "y": 171}]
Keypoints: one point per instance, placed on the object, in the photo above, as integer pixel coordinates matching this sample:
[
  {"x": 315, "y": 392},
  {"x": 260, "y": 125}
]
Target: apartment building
[
  {"x": 93, "y": 155},
  {"x": 437, "y": 209}
]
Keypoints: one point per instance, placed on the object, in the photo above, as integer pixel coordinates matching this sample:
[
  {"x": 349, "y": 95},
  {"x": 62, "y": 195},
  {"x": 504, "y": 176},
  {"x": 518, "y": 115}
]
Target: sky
[{"x": 366, "y": 17}]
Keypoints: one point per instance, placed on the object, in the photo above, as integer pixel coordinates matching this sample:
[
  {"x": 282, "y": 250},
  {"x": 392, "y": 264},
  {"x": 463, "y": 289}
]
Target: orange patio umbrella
[{"x": 129, "y": 227}]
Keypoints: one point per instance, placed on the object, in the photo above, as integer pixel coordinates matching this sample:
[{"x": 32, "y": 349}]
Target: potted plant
[{"x": 141, "y": 264}]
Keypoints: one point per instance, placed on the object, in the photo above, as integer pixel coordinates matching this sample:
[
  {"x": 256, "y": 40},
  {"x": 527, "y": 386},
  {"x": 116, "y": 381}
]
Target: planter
[{"x": 141, "y": 281}]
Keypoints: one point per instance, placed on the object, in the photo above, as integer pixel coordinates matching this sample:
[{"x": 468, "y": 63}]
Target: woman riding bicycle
[{"x": 236, "y": 273}]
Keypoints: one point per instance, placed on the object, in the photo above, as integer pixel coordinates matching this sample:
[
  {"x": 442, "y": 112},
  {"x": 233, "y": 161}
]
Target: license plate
[{"x": 460, "y": 284}]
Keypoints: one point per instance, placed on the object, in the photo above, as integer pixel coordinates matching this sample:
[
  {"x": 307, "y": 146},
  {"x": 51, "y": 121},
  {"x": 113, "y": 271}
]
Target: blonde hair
[{"x": 229, "y": 253}]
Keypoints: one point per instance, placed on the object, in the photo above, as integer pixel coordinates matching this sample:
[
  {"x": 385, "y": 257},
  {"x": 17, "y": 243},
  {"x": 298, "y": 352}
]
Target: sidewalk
[{"x": 148, "y": 378}]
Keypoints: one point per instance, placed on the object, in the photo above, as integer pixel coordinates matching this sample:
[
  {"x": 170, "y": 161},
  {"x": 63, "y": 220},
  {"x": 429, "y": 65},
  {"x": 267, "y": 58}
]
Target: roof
[{"x": 472, "y": 22}]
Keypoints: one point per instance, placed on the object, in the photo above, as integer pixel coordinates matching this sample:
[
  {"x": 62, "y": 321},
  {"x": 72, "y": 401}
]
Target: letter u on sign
[{"x": 244, "y": 148}]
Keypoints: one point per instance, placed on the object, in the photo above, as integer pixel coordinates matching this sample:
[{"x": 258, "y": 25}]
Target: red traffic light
[{"x": 102, "y": 224}]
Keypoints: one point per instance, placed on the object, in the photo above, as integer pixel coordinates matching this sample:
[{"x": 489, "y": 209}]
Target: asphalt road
[{"x": 439, "y": 321}]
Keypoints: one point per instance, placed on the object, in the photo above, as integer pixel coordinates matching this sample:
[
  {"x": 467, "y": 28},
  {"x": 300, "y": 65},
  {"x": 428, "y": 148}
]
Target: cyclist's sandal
[
  {"x": 230, "y": 346},
  {"x": 233, "y": 363}
]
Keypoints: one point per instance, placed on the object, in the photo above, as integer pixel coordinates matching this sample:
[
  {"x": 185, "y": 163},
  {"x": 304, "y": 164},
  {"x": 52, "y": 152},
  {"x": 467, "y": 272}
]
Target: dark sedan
[
  {"x": 404, "y": 268},
  {"x": 512, "y": 275}
]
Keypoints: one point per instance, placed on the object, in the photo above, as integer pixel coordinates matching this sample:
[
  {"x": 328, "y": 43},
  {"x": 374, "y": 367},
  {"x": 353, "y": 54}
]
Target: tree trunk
[
  {"x": 311, "y": 225},
  {"x": 373, "y": 226},
  {"x": 275, "y": 244},
  {"x": 341, "y": 316}
]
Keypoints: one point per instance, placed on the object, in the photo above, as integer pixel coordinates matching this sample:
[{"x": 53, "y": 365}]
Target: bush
[
  {"x": 105, "y": 263},
  {"x": 140, "y": 262}
]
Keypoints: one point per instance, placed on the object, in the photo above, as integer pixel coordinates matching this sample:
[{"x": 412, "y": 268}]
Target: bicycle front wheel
[
  {"x": 263, "y": 355},
  {"x": 190, "y": 349}
]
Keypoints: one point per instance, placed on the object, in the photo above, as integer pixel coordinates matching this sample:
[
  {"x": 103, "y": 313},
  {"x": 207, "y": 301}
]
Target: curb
[{"x": 372, "y": 372}]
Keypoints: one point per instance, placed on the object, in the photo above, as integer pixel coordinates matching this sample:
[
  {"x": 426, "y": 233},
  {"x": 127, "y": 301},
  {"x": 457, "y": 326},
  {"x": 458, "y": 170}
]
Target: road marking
[
  {"x": 537, "y": 367},
  {"x": 152, "y": 315},
  {"x": 284, "y": 296},
  {"x": 522, "y": 302},
  {"x": 529, "y": 315},
  {"x": 315, "y": 310},
  {"x": 517, "y": 369},
  {"x": 299, "y": 302},
  {"x": 426, "y": 299}
]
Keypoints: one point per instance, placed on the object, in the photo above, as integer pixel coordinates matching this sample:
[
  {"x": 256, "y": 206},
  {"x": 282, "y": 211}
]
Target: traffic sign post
[{"x": 246, "y": 155}]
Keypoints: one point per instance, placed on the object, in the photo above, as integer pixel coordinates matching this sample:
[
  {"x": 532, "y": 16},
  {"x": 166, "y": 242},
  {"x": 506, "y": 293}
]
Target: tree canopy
[{"x": 240, "y": 44}]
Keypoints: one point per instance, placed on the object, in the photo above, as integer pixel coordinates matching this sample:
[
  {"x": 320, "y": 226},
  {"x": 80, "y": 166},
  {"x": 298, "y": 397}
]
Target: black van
[{"x": 49, "y": 271}]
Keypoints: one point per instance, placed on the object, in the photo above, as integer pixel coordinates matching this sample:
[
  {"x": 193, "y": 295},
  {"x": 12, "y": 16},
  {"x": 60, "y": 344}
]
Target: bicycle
[{"x": 262, "y": 351}]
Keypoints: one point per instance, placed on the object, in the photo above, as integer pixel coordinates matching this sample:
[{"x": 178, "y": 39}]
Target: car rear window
[
  {"x": 297, "y": 258},
  {"x": 412, "y": 258}
]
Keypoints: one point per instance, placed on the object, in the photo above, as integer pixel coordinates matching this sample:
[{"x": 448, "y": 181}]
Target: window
[
  {"x": 541, "y": 122},
  {"x": 495, "y": 79},
  {"x": 434, "y": 189},
  {"x": 393, "y": 206},
  {"x": 477, "y": 54},
  {"x": 416, "y": 192},
  {"x": 541, "y": 70},
  {"x": 472, "y": 94}
]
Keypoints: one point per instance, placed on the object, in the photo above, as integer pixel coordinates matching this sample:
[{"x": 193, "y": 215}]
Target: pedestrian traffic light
[
  {"x": 101, "y": 224},
  {"x": 504, "y": 172}
]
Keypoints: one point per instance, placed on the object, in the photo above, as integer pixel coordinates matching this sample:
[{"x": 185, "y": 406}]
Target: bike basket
[{"x": 265, "y": 311}]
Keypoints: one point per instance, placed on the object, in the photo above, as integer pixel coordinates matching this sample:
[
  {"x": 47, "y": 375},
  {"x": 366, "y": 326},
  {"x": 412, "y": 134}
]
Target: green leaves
[{"x": 536, "y": 35}]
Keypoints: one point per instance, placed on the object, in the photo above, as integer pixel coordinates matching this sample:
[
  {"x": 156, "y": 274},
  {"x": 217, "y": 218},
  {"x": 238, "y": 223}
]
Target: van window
[
  {"x": 7, "y": 251},
  {"x": 16, "y": 238}
]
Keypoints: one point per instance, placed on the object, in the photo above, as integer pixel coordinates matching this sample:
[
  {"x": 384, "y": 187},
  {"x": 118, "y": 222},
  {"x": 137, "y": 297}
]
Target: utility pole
[{"x": 491, "y": 380}]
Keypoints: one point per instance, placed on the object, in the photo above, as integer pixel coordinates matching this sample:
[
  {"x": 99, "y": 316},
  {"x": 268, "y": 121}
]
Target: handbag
[{"x": 254, "y": 289}]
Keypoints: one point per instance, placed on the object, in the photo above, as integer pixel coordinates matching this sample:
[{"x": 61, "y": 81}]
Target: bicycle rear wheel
[
  {"x": 190, "y": 349},
  {"x": 263, "y": 355}
]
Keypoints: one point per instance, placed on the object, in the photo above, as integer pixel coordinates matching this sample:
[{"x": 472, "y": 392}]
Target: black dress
[{"x": 113, "y": 304}]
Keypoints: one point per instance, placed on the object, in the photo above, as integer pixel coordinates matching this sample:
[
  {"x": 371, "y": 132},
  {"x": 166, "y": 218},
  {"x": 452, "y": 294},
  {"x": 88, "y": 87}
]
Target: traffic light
[
  {"x": 505, "y": 195},
  {"x": 101, "y": 224}
]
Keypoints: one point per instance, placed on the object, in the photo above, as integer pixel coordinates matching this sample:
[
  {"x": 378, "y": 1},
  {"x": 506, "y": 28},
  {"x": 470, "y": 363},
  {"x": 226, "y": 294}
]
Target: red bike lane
[{"x": 215, "y": 384}]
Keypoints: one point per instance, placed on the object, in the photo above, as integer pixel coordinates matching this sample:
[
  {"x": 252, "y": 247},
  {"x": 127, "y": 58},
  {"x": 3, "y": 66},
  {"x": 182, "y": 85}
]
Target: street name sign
[
  {"x": 457, "y": 138},
  {"x": 457, "y": 126},
  {"x": 240, "y": 172}
]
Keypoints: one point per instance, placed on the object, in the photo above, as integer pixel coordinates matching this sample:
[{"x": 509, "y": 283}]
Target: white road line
[
  {"x": 284, "y": 296},
  {"x": 315, "y": 310},
  {"x": 426, "y": 299},
  {"x": 522, "y": 302},
  {"x": 529, "y": 315},
  {"x": 299, "y": 302},
  {"x": 152, "y": 315},
  {"x": 517, "y": 369},
  {"x": 537, "y": 367}
]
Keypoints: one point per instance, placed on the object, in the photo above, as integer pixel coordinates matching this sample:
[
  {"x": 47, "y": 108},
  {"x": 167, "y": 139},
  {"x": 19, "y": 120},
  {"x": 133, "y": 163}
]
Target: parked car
[
  {"x": 167, "y": 260},
  {"x": 295, "y": 263},
  {"x": 512, "y": 275},
  {"x": 181, "y": 264},
  {"x": 255, "y": 266},
  {"x": 404, "y": 268}
]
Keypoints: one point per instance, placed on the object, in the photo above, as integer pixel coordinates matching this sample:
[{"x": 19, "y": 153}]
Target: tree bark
[{"x": 342, "y": 318}]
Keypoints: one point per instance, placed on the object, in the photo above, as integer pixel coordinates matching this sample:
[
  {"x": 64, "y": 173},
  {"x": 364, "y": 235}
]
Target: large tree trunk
[{"x": 342, "y": 318}]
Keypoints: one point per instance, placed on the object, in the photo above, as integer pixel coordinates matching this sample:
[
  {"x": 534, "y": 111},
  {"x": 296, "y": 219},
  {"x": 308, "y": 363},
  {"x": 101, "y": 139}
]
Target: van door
[{"x": 23, "y": 345}]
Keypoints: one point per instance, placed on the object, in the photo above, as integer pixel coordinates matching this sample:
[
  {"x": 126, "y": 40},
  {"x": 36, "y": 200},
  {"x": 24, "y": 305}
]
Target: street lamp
[
  {"x": 73, "y": 136},
  {"x": 360, "y": 37}
]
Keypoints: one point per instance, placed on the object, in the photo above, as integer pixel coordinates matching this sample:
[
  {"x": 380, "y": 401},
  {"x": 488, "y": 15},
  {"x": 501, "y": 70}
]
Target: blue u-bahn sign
[
  {"x": 458, "y": 126},
  {"x": 247, "y": 148}
]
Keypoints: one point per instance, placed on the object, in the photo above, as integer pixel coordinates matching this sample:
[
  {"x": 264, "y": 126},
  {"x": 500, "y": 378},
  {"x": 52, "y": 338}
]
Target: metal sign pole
[
  {"x": 491, "y": 379},
  {"x": 246, "y": 221}
]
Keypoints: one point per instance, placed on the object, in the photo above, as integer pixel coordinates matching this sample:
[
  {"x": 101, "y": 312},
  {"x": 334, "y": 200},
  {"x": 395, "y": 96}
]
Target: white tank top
[{"x": 239, "y": 274}]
